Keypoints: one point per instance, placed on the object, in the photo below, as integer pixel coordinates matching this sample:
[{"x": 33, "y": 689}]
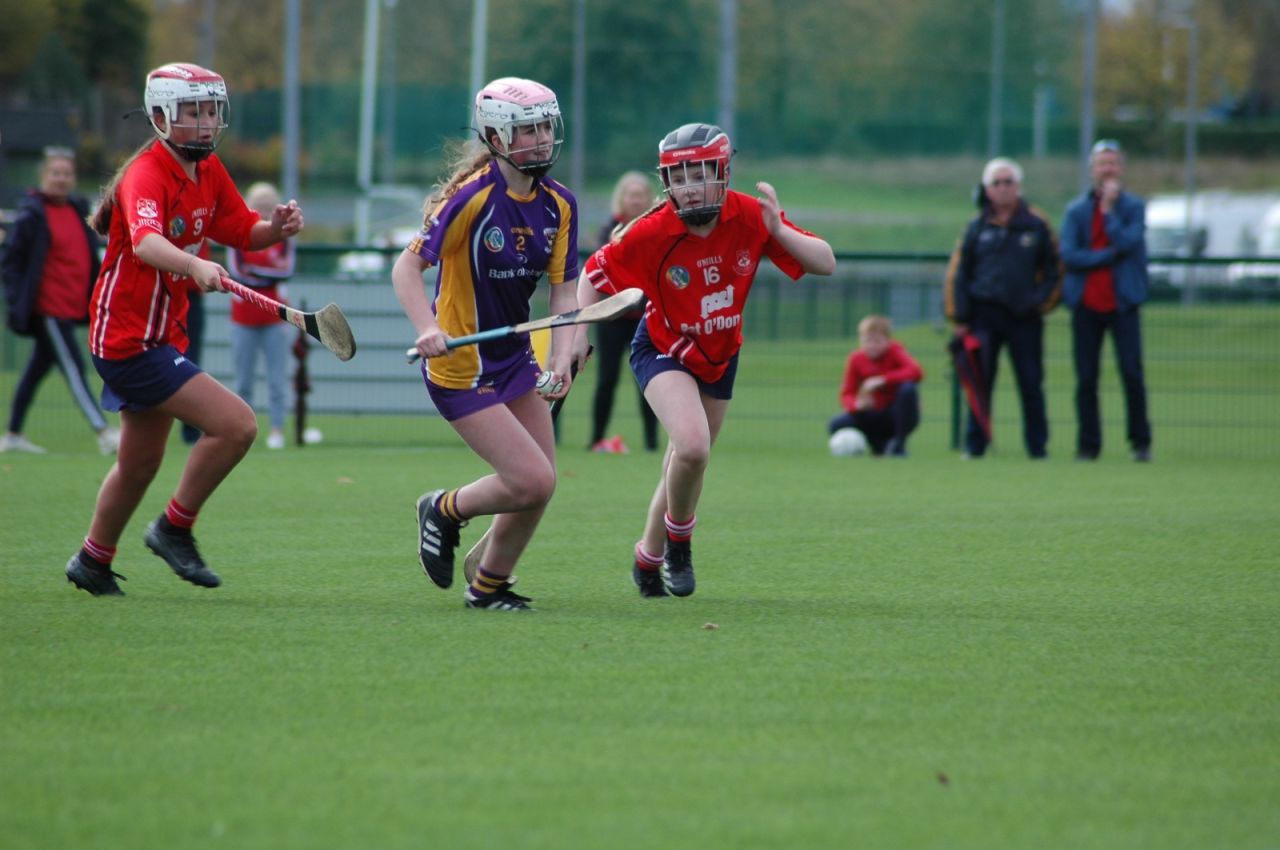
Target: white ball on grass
[
  {"x": 847, "y": 442},
  {"x": 311, "y": 436}
]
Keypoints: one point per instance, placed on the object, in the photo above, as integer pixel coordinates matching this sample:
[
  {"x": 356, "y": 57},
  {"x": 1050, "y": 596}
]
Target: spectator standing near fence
[
  {"x": 157, "y": 212},
  {"x": 1105, "y": 253},
  {"x": 632, "y": 195},
  {"x": 879, "y": 394},
  {"x": 1004, "y": 276},
  {"x": 695, "y": 255},
  {"x": 253, "y": 329},
  {"x": 50, "y": 263}
]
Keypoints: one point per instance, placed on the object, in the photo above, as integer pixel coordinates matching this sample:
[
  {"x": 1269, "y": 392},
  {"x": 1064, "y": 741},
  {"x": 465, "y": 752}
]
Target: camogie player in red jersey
[
  {"x": 695, "y": 256},
  {"x": 157, "y": 212}
]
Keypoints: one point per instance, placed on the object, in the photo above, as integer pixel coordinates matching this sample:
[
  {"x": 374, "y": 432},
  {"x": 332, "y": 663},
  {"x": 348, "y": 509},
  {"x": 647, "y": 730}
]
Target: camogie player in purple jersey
[{"x": 493, "y": 229}]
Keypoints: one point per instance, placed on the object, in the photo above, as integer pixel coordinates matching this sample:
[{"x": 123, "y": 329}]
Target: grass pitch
[{"x": 929, "y": 653}]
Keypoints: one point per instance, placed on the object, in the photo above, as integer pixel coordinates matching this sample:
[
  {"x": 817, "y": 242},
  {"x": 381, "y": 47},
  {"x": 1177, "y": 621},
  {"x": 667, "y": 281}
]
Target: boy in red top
[
  {"x": 879, "y": 391},
  {"x": 157, "y": 212},
  {"x": 695, "y": 256}
]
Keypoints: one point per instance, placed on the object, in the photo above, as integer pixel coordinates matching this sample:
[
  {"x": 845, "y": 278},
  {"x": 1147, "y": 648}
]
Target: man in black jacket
[{"x": 1004, "y": 276}]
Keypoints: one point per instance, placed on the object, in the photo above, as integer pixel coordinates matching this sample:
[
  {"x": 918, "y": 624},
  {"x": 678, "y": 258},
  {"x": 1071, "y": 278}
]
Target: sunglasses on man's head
[{"x": 1103, "y": 145}]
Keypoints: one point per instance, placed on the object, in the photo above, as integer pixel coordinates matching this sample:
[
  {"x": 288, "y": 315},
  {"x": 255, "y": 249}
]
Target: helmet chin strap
[
  {"x": 699, "y": 216},
  {"x": 190, "y": 153}
]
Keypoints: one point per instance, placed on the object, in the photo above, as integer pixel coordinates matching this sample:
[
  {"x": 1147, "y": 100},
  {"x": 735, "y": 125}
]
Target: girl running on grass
[
  {"x": 156, "y": 213},
  {"x": 494, "y": 228},
  {"x": 695, "y": 256}
]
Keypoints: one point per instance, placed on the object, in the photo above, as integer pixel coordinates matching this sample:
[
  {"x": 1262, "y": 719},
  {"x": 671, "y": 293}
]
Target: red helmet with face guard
[{"x": 704, "y": 145}]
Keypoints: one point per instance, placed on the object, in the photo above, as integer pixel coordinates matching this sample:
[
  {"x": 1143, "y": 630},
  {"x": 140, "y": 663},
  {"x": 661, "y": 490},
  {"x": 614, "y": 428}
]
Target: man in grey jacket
[{"x": 1105, "y": 256}]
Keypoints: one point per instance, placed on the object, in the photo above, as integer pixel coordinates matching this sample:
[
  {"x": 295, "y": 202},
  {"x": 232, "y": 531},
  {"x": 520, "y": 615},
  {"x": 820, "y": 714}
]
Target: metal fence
[{"x": 1211, "y": 345}]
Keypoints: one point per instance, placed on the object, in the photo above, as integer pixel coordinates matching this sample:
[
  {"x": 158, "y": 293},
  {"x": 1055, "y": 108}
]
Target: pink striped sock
[
  {"x": 680, "y": 531},
  {"x": 101, "y": 554},
  {"x": 645, "y": 561},
  {"x": 179, "y": 516}
]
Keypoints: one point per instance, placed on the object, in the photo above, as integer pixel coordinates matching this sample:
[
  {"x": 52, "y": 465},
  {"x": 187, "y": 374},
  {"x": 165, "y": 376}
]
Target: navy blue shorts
[
  {"x": 647, "y": 362},
  {"x": 144, "y": 380}
]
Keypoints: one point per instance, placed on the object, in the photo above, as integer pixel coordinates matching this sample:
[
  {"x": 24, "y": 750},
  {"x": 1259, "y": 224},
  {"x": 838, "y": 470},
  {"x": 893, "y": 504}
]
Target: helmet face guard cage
[
  {"x": 507, "y": 105},
  {"x": 695, "y": 155},
  {"x": 169, "y": 87}
]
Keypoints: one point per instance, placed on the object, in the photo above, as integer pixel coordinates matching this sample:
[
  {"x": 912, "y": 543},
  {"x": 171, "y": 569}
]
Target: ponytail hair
[
  {"x": 100, "y": 219},
  {"x": 462, "y": 159}
]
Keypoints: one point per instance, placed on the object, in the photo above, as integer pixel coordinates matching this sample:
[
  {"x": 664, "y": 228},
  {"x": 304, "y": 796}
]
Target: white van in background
[
  {"x": 1268, "y": 246},
  {"x": 1222, "y": 224}
]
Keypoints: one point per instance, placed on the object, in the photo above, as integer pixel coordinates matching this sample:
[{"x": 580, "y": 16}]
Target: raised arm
[{"x": 812, "y": 252}]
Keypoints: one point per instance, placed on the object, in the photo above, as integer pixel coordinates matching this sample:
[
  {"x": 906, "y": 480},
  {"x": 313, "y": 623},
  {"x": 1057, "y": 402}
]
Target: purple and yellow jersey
[{"x": 492, "y": 245}]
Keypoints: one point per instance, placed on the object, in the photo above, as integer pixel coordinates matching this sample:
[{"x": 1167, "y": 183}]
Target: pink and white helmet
[
  {"x": 171, "y": 85},
  {"x": 511, "y": 102}
]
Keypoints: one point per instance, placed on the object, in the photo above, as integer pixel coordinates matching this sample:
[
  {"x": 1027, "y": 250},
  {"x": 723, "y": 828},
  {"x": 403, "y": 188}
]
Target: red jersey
[
  {"x": 1099, "y": 284},
  {"x": 265, "y": 271},
  {"x": 67, "y": 265},
  {"x": 895, "y": 365},
  {"x": 697, "y": 286},
  {"x": 136, "y": 307}
]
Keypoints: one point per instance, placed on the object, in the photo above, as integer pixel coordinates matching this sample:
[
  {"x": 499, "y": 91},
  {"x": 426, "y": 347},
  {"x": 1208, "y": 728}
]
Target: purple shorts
[
  {"x": 506, "y": 386},
  {"x": 144, "y": 380},
  {"x": 647, "y": 362}
]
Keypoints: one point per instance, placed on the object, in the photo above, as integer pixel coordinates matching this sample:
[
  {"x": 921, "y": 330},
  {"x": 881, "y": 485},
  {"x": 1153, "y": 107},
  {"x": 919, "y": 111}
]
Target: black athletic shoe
[
  {"x": 180, "y": 553},
  {"x": 1142, "y": 455},
  {"x": 505, "y": 599},
  {"x": 100, "y": 581},
  {"x": 437, "y": 539},
  {"x": 677, "y": 568},
  {"x": 649, "y": 582}
]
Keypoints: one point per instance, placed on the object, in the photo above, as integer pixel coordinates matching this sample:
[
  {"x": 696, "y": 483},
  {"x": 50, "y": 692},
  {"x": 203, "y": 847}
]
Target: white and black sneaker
[
  {"x": 437, "y": 539},
  {"x": 505, "y": 599},
  {"x": 677, "y": 568}
]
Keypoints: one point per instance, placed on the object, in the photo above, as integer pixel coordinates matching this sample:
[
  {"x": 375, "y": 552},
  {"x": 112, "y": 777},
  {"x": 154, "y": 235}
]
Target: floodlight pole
[
  {"x": 1090, "y": 62},
  {"x": 479, "y": 25},
  {"x": 728, "y": 64},
  {"x": 578, "y": 132},
  {"x": 995, "y": 111},
  {"x": 292, "y": 111},
  {"x": 368, "y": 94}
]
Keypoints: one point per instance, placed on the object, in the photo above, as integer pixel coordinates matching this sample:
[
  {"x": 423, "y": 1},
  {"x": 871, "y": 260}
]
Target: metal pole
[
  {"x": 995, "y": 116},
  {"x": 208, "y": 34},
  {"x": 479, "y": 25},
  {"x": 292, "y": 110},
  {"x": 728, "y": 64},
  {"x": 578, "y": 133},
  {"x": 368, "y": 97},
  {"x": 1087, "y": 89},
  {"x": 1193, "y": 46},
  {"x": 387, "y": 167}
]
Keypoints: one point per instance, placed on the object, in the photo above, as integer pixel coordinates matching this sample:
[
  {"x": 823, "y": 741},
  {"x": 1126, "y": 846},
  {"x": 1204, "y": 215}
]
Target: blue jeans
[
  {"x": 273, "y": 342},
  {"x": 1087, "y": 331}
]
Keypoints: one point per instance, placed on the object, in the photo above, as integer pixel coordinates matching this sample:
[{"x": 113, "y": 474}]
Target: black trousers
[
  {"x": 613, "y": 342},
  {"x": 1087, "y": 332},
  {"x": 881, "y": 426},
  {"x": 998, "y": 327},
  {"x": 55, "y": 345}
]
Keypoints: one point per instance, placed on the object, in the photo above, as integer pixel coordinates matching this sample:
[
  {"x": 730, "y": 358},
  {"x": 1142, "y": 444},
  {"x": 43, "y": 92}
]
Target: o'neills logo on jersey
[
  {"x": 147, "y": 208},
  {"x": 743, "y": 264},
  {"x": 493, "y": 239},
  {"x": 177, "y": 227},
  {"x": 678, "y": 276}
]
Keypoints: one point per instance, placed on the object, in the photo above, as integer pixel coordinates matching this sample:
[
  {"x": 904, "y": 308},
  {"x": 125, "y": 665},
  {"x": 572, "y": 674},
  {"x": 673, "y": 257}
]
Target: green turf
[{"x": 929, "y": 653}]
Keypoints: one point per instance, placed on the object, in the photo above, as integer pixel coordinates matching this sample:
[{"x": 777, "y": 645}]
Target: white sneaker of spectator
[
  {"x": 19, "y": 443},
  {"x": 109, "y": 440}
]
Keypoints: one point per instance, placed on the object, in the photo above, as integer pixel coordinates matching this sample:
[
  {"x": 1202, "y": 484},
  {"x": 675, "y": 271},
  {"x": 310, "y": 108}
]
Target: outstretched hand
[
  {"x": 286, "y": 220},
  {"x": 769, "y": 205}
]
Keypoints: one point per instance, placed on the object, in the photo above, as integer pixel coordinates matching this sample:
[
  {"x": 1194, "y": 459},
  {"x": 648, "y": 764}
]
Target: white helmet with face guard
[
  {"x": 508, "y": 103},
  {"x": 168, "y": 87}
]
